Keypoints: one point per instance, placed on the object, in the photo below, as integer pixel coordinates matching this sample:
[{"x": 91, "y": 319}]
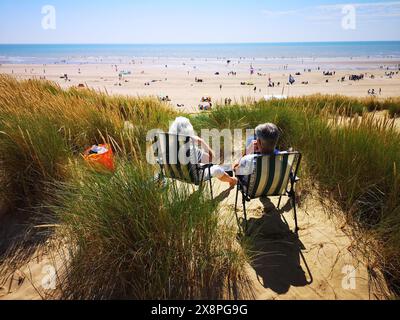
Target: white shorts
[{"x": 216, "y": 172}]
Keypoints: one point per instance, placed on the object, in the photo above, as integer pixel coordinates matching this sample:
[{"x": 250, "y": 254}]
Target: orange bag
[{"x": 100, "y": 161}]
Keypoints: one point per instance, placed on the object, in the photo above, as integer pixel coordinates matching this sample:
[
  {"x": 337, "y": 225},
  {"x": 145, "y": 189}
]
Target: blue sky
[{"x": 197, "y": 21}]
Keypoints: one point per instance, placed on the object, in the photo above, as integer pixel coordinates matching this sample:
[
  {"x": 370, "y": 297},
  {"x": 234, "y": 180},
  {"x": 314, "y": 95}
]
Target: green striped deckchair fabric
[
  {"x": 177, "y": 157},
  {"x": 271, "y": 174}
]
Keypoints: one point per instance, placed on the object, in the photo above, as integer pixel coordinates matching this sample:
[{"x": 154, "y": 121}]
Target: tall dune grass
[
  {"x": 32, "y": 153},
  {"x": 130, "y": 237},
  {"x": 42, "y": 129},
  {"x": 124, "y": 234},
  {"x": 350, "y": 106},
  {"x": 41, "y": 125}
]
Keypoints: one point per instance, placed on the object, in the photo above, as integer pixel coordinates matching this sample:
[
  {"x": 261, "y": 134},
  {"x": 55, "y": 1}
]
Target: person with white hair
[{"x": 203, "y": 152}]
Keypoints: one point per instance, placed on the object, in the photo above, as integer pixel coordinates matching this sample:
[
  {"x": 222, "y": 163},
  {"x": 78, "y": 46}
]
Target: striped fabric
[
  {"x": 177, "y": 157},
  {"x": 271, "y": 175}
]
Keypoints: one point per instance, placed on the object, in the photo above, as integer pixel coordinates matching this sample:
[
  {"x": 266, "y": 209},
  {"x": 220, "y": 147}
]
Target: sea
[{"x": 115, "y": 53}]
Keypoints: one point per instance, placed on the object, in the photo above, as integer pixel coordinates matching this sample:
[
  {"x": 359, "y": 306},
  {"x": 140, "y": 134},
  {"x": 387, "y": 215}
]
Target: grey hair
[
  {"x": 182, "y": 126},
  {"x": 268, "y": 132}
]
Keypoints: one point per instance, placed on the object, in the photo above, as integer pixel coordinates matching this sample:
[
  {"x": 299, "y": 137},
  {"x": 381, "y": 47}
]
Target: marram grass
[
  {"x": 41, "y": 126},
  {"x": 133, "y": 238},
  {"x": 123, "y": 235}
]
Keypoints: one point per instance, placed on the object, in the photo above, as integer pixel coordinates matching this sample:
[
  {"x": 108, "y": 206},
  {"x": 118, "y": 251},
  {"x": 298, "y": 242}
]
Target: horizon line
[{"x": 201, "y": 43}]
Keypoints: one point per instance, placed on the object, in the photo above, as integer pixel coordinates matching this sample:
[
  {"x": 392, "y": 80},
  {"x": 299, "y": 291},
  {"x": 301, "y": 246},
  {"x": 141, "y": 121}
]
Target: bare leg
[{"x": 231, "y": 180}]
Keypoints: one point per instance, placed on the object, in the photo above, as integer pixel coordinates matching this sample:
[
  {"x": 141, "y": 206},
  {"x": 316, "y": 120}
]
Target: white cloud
[
  {"x": 371, "y": 9},
  {"x": 280, "y": 13},
  {"x": 334, "y": 11}
]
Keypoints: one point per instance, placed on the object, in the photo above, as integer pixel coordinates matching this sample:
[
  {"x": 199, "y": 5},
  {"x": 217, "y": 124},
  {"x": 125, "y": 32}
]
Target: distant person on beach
[
  {"x": 204, "y": 154},
  {"x": 228, "y": 101}
]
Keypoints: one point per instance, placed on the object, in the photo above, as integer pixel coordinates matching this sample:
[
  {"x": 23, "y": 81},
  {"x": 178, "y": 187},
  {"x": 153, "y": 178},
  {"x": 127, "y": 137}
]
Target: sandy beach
[{"x": 222, "y": 79}]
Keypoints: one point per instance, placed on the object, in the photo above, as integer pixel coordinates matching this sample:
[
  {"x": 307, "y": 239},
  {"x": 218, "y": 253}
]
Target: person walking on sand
[{"x": 201, "y": 150}]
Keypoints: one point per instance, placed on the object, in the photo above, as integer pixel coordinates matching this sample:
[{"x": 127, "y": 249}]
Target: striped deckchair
[
  {"x": 274, "y": 175},
  {"x": 178, "y": 159}
]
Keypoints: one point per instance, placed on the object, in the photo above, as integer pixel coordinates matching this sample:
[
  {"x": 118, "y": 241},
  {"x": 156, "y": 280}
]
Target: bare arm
[{"x": 206, "y": 147}]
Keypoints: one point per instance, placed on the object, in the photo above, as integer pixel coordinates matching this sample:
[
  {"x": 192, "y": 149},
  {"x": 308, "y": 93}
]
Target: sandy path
[
  {"x": 314, "y": 268},
  {"x": 29, "y": 282}
]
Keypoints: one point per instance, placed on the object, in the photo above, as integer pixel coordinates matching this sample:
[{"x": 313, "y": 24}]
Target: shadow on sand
[
  {"x": 277, "y": 250},
  {"x": 19, "y": 239}
]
